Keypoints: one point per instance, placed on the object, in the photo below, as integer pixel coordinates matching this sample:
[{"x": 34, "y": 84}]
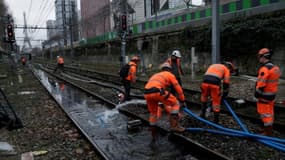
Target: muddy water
[{"x": 107, "y": 128}]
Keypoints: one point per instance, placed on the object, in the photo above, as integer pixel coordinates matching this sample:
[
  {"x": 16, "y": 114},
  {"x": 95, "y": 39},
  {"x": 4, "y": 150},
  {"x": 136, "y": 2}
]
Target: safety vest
[
  {"x": 164, "y": 79},
  {"x": 216, "y": 73},
  {"x": 267, "y": 81},
  {"x": 132, "y": 72}
]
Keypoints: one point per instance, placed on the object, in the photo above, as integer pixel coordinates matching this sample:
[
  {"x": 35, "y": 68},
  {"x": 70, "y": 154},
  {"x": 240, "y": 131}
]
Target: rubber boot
[
  {"x": 203, "y": 112},
  {"x": 174, "y": 124},
  {"x": 216, "y": 117},
  {"x": 267, "y": 131}
]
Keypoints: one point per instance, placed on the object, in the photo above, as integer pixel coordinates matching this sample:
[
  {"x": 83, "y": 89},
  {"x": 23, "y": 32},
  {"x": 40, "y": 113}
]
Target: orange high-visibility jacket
[
  {"x": 60, "y": 60},
  {"x": 216, "y": 73},
  {"x": 267, "y": 81},
  {"x": 164, "y": 79},
  {"x": 178, "y": 62},
  {"x": 132, "y": 72}
]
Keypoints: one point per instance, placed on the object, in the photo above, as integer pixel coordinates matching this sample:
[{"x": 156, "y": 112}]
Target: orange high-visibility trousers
[
  {"x": 215, "y": 92},
  {"x": 152, "y": 100},
  {"x": 160, "y": 109},
  {"x": 266, "y": 111}
]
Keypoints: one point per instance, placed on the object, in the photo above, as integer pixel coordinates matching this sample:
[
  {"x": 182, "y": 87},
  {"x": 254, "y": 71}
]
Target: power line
[
  {"x": 36, "y": 27},
  {"x": 41, "y": 5},
  {"x": 29, "y": 11},
  {"x": 39, "y": 17},
  {"x": 44, "y": 16}
]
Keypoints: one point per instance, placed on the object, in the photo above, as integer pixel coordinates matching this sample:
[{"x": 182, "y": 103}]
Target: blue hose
[
  {"x": 235, "y": 116},
  {"x": 213, "y": 131},
  {"x": 267, "y": 142},
  {"x": 270, "y": 143},
  {"x": 232, "y": 132},
  {"x": 223, "y": 132}
]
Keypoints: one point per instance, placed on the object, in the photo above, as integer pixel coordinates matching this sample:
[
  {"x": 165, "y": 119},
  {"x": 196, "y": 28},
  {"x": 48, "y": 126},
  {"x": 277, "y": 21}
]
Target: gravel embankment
[{"x": 46, "y": 127}]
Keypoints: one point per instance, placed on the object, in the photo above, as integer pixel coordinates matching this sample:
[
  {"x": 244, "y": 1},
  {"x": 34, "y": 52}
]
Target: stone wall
[{"x": 240, "y": 41}]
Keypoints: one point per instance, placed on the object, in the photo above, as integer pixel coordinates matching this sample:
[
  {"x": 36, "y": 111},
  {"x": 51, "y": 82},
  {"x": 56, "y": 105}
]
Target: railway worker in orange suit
[
  {"x": 60, "y": 63},
  {"x": 155, "y": 92},
  {"x": 175, "y": 62},
  {"x": 215, "y": 75},
  {"x": 131, "y": 78},
  {"x": 266, "y": 89},
  {"x": 23, "y": 60}
]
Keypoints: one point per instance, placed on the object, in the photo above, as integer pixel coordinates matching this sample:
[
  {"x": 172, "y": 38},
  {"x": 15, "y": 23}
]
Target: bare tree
[
  {"x": 116, "y": 12},
  {"x": 3, "y": 20},
  {"x": 188, "y": 3},
  {"x": 133, "y": 3}
]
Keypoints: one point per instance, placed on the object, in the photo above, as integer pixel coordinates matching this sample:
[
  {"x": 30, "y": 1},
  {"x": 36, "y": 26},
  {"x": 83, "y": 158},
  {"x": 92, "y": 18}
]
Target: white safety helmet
[
  {"x": 176, "y": 53},
  {"x": 165, "y": 65}
]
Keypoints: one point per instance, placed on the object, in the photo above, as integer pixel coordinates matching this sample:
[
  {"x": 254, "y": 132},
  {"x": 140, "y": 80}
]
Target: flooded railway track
[
  {"x": 223, "y": 144},
  {"x": 243, "y": 108},
  {"x": 106, "y": 129}
]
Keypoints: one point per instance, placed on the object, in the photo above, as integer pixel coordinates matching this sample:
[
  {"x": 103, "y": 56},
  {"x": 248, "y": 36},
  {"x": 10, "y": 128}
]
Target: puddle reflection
[{"x": 107, "y": 127}]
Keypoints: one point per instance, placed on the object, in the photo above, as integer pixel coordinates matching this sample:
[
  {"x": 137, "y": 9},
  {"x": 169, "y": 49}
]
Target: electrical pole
[
  {"x": 71, "y": 18},
  {"x": 124, "y": 30},
  {"x": 64, "y": 24},
  {"x": 215, "y": 32}
]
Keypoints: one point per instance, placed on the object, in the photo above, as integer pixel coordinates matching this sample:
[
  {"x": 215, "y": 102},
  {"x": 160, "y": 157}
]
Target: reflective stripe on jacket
[
  {"x": 164, "y": 79},
  {"x": 267, "y": 81},
  {"x": 216, "y": 73}
]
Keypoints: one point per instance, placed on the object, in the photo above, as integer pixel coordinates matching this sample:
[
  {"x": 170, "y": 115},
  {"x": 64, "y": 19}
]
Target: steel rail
[
  {"x": 111, "y": 78},
  {"x": 201, "y": 151}
]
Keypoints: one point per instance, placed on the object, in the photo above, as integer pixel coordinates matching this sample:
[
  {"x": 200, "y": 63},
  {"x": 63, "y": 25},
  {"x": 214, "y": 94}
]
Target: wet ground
[
  {"x": 107, "y": 128},
  {"x": 46, "y": 129}
]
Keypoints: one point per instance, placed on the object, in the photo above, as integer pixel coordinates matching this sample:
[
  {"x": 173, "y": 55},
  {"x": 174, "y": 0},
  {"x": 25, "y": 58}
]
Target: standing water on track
[{"x": 107, "y": 128}]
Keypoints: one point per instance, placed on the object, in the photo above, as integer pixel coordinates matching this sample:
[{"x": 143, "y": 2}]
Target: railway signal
[
  {"x": 124, "y": 22},
  {"x": 10, "y": 32}
]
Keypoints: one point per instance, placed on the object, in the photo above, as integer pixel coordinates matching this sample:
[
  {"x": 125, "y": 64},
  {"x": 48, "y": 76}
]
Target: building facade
[
  {"x": 95, "y": 17},
  {"x": 51, "y": 29},
  {"x": 67, "y": 21}
]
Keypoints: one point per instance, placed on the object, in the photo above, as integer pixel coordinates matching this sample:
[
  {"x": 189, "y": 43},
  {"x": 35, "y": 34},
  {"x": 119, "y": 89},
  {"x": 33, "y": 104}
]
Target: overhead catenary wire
[
  {"x": 29, "y": 10},
  {"x": 42, "y": 20},
  {"x": 42, "y": 11}
]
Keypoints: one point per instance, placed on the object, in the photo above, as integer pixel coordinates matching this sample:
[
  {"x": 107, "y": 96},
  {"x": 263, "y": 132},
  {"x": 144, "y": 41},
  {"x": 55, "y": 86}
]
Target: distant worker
[
  {"x": 130, "y": 76},
  {"x": 155, "y": 93},
  {"x": 23, "y": 60},
  {"x": 61, "y": 86},
  {"x": 266, "y": 89},
  {"x": 60, "y": 63},
  {"x": 175, "y": 62},
  {"x": 211, "y": 87}
]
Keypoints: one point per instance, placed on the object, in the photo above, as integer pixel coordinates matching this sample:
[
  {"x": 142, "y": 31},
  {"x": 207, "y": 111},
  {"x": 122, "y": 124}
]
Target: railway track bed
[
  {"x": 107, "y": 130},
  {"x": 233, "y": 147}
]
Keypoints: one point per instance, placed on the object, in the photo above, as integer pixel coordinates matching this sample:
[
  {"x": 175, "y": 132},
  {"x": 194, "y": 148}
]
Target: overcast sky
[{"x": 37, "y": 13}]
